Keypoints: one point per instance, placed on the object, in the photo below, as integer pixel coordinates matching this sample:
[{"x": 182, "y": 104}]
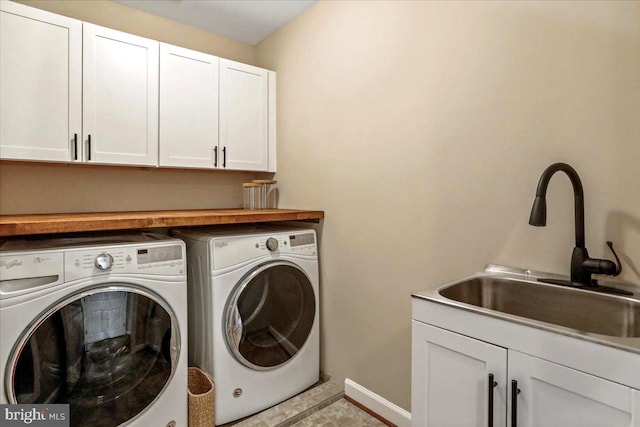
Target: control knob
[
  {"x": 104, "y": 262},
  {"x": 272, "y": 244}
]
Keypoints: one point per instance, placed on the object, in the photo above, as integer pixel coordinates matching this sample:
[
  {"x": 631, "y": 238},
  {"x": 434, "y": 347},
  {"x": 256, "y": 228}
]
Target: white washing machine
[
  {"x": 253, "y": 314},
  {"x": 99, "y": 323}
]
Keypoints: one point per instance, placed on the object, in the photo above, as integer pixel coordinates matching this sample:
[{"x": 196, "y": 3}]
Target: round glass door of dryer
[
  {"x": 270, "y": 315},
  {"x": 108, "y": 352}
]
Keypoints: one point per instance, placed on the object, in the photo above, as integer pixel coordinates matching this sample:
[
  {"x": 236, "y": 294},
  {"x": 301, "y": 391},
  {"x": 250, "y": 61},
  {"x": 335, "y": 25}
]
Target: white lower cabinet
[
  {"x": 462, "y": 381},
  {"x": 451, "y": 378},
  {"x": 554, "y": 395}
]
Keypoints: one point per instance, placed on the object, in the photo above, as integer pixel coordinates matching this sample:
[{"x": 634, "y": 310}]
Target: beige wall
[
  {"x": 42, "y": 188},
  {"x": 421, "y": 128},
  {"x": 53, "y": 188}
]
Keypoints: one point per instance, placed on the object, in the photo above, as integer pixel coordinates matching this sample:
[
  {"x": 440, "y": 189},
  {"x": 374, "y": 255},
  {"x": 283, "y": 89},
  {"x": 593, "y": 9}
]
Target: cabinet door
[
  {"x": 40, "y": 84},
  {"x": 244, "y": 104},
  {"x": 188, "y": 108},
  {"x": 450, "y": 380},
  {"x": 120, "y": 97},
  {"x": 553, "y": 395}
]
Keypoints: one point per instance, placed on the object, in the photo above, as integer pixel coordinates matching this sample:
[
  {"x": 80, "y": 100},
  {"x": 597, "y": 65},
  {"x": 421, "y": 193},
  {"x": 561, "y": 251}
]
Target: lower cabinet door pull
[
  {"x": 515, "y": 391},
  {"x": 491, "y": 384}
]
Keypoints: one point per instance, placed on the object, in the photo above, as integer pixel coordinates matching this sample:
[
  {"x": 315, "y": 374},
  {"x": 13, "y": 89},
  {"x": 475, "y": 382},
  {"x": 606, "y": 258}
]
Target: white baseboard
[{"x": 377, "y": 404}]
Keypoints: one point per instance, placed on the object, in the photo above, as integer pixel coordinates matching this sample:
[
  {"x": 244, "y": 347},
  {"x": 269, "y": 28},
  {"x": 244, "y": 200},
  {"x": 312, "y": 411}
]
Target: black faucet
[{"x": 582, "y": 266}]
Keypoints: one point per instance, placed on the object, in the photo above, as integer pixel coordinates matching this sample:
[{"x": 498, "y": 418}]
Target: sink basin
[{"x": 580, "y": 310}]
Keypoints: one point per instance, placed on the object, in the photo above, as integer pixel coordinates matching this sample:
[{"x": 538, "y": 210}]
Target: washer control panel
[{"x": 156, "y": 259}]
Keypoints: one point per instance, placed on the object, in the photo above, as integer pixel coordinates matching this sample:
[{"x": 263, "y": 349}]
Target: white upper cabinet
[
  {"x": 244, "y": 116},
  {"x": 188, "y": 108},
  {"x": 120, "y": 97},
  {"x": 40, "y": 84},
  {"x": 77, "y": 92}
]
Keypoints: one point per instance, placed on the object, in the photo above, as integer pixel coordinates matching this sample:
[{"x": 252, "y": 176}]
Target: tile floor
[
  {"x": 340, "y": 414},
  {"x": 323, "y": 405}
]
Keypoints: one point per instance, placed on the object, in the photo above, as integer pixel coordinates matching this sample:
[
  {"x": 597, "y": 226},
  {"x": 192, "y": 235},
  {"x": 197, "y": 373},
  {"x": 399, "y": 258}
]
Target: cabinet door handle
[
  {"x": 215, "y": 157},
  {"x": 75, "y": 146},
  {"x": 88, "y": 147},
  {"x": 515, "y": 391},
  {"x": 491, "y": 385},
  {"x": 224, "y": 157}
]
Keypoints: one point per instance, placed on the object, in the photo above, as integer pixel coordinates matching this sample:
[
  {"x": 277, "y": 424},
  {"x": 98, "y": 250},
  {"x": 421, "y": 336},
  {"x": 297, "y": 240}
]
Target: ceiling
[{"x": 247, "y": 21}]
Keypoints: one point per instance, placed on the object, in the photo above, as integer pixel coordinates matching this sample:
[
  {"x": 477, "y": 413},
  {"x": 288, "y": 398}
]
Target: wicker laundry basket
[{"x": 201, "y": 399}]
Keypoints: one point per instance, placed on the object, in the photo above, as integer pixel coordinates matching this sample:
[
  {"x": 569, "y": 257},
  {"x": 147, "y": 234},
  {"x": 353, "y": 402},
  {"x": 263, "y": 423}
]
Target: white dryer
[
  {"x": 253, "y": 314},
  {"x": 99, "y": 323}
]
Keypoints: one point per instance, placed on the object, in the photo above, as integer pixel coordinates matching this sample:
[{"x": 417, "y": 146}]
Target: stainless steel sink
[{"x": 580, "y": 310}]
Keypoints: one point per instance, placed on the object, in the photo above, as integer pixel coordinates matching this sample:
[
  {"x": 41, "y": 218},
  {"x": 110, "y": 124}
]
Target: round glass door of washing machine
[
  {"x": 105, "y": 351},
  {"x": 269, "y": 315}
]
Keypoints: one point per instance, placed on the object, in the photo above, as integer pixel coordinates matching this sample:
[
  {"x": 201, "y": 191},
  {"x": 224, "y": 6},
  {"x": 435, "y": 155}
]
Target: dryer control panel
[{"x": 229, "y": 251}]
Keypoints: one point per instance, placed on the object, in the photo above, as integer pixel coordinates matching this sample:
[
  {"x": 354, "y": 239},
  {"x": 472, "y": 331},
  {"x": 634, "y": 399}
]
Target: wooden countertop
[{"x": 15, "y": 225}]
